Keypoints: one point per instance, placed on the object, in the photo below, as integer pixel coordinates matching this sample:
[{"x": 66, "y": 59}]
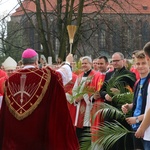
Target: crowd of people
[{"x": 43, "y": 108}]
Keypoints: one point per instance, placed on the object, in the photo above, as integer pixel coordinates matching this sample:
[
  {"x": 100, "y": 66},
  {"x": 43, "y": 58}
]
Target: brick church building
[{"x": 118, "y": 25}]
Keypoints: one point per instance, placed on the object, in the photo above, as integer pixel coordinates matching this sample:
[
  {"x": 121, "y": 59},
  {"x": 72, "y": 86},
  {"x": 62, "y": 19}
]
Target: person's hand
[
  {"x": 69, "y": 58},
  {"x": 115, "y": 90},
  {"x": 96, "y": 95},
  {"x": 79, "y": 99},
  {"x": 125, "y": 108},
  {"x": 131, "y": 120},
  {"x": 139, "y": 133},
  {"x": 108, "y": 98}
]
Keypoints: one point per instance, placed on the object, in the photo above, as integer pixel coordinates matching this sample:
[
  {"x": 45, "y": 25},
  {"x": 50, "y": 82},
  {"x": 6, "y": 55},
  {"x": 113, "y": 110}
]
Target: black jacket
[
  {"x": 143, "y": 92},
  {"x": 125, "y": 80}
]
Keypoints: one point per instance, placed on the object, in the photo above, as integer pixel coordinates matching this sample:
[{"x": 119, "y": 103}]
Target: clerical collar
[
  {"x": 28, "y": 66},
  {"x": 87, "y": 73}
]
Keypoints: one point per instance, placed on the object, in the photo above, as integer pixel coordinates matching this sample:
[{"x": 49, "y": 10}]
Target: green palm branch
[
  {"x": 121, "y": 99},
  {"x": 115, "y": 82},
  {"x": 86, "y": 142},
  {"x": 107, "y": 135},
  {"x": 77, "y": 68},
  {"x": 83, "y": 89},
  {"x": 124, "y": 97},
  {"x": 108, "y": 111},
  {"x": 124, "y": 94}
]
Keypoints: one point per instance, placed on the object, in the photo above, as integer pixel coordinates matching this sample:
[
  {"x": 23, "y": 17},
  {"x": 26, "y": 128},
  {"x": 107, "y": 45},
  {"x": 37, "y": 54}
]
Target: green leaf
[
  {"x": 110, "y": 112},
  {"x": 83, "y": 89},
  {"x": 108, "y": 134},
  {"x": 123, "y": 98},
  {"x": 116, "y": 82}
]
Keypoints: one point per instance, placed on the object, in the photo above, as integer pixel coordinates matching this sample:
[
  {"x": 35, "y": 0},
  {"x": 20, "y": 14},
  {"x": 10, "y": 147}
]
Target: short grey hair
[
  {"x": 88, "y": 58},
  {"x": 120, "y": 54},
  {"x": 28, "y": 61}
]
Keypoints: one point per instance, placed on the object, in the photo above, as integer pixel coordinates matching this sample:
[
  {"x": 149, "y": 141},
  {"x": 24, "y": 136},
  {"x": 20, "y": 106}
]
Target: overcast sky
[{"x": 7, "y": 5}]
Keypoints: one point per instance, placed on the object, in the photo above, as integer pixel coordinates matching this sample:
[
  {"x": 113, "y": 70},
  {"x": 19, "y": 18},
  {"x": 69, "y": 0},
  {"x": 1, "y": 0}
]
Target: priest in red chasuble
[
  {"x": 34, "y": 114},
  {"x": 85, "y": 85}
]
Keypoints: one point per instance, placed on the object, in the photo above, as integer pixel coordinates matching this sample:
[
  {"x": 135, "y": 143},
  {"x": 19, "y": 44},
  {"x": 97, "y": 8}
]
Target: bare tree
[{"x": 104, "y": 26}]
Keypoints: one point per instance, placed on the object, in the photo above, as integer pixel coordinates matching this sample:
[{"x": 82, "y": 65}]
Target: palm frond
[
  {"x": 108, "y": 111},
  {"x": 77, "y": 69},
  {"x": 86, "y": 142},
  {"x": 123, "y": 98},
  {"x": 107, "y": 135},
  {"x": 116, "y": 82},
  {"x": 83, "y": 89},
  {"x": 125, "y": 94}
]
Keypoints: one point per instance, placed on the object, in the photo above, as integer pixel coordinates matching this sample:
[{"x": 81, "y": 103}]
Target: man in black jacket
[
  {"x": 128, "y": 79},
  {"x": 118, "y": 63}
]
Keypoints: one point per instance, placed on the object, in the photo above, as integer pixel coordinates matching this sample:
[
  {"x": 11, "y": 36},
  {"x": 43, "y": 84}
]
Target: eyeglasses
[{"x": 113, "y": 61}]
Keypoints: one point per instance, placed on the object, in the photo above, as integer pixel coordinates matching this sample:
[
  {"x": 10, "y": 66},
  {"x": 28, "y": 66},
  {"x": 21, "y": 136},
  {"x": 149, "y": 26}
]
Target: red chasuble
[
  {"x": 97, "y": 117},
  {"x": 34, "y": 114},
  {"x": 93, "y": 85}
]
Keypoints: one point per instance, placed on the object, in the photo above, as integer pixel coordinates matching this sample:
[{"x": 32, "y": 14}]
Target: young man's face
[
  {"x": 142, "y": 65},
  {"x": 102, "y": 65}
]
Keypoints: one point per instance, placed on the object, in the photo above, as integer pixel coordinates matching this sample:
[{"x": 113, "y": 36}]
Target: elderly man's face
[
  {"x": 86, "y": 65},
  {"x": 117, "y": 61}
]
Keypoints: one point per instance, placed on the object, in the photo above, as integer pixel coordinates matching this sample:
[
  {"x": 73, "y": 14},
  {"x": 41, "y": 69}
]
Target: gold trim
[{"x": 18, "y": 114}]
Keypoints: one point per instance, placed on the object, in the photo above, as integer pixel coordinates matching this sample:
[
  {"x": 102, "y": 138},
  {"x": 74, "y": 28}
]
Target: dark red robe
[{"x": 37, "y": 118}]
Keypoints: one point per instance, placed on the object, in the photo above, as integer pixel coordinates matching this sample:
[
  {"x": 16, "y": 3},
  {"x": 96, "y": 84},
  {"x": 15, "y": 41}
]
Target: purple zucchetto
[{"x": 29, "y": 53}]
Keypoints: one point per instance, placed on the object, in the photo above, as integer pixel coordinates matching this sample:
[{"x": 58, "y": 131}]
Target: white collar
[{"x": 28, "y": 66}]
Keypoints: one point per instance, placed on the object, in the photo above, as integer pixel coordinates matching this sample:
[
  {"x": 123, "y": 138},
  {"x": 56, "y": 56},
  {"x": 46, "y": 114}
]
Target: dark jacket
[
  {"x": 143, "y": 92},
  {"x": 125, "y": 80}
]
